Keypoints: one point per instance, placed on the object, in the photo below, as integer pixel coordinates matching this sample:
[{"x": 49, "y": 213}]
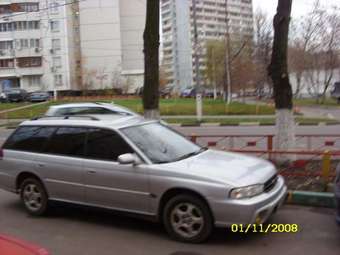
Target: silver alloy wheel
[
  {"x": 187, "y": 220},
  {"x": 32, "y": 197}
]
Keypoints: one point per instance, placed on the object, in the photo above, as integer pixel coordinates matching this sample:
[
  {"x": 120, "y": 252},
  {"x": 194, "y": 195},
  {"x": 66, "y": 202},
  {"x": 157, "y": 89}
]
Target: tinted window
[
  {"x": 69, "y": 141},
  {"x": 29, "y": 138},
  {"x": 106, "y": 145}
]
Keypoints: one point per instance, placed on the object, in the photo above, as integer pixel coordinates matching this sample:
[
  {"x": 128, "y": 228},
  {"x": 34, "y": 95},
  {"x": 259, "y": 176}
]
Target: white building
[
  {"x": 212, "y": 16},
  {"x": 68, "y": 45},
  {"x": 111, "y": 39},
  {"x": 34, "y": 45}
]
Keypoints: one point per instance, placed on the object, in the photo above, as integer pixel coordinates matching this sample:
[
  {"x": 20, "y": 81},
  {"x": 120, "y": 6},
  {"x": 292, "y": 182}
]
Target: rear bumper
[{"x": 254, "y": 210}]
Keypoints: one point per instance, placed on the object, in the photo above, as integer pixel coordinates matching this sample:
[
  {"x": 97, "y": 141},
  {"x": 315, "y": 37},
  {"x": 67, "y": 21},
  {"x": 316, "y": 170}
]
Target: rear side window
[
  {"x": 31, "y": 139},
  {"x": 106, "y": 145},
  {"x": 68, "y": 141}
]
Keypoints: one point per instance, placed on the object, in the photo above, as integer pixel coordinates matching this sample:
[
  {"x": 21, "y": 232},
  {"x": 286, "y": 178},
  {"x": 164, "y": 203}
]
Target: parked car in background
[
  {"x": 188, "y": 92},
  {"x": 39, "y": 96},
  {"x": 337, "y": 193},
  {"x": 336, "y": 92},
  {"x": 88, "y": 109},
  {"x": 13, "y": 246},
  {"x": 166, "y": 92},
  {"x": 13, "y": 95},
  {"x": 138, "y": 166}
]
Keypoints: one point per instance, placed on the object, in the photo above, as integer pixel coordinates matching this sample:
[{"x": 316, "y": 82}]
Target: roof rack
[{"x": 66, "y": 117}]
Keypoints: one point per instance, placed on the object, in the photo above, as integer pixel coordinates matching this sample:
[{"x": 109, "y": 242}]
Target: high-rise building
[
  {"x": 70, "y": 45},
  {"x": 34, "y": 45},
  {"x": 215, "y": 19},
  {"x": 111, "y": 40}
]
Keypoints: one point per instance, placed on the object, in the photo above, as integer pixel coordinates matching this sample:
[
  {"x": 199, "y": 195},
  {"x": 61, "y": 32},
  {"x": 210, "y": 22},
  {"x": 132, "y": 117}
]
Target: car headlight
[{"x": 247, "y": 192}]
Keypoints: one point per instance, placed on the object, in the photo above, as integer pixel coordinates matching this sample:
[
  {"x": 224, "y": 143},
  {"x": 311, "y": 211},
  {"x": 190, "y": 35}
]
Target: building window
[
  {"x": 6, "y": 45},
  {"x": 58, "y": 80},
  {"x": 55, "y": 26},
  {"x": 29, "y": 62},
  {"x": 24, "y": 7},
  {"x": 54, "y": 7},
  {"x": 56, "y": 44},
  {"x": 34, "y": 81},
  {"x": 57, "y": 62},
  {"x": 6, "y": 63}
]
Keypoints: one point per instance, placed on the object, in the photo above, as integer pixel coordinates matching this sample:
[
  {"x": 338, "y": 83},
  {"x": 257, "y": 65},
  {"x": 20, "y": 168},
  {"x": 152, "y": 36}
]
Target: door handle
[{"x": 92, "y": 172}]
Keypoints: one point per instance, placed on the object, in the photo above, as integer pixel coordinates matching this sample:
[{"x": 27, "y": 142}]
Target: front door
[{"x": 108, "y": 183}]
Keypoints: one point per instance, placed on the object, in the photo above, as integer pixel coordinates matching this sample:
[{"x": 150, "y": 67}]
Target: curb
[
  {"x": 245, "y": 124},
  {"x": 316, "y": 199}
]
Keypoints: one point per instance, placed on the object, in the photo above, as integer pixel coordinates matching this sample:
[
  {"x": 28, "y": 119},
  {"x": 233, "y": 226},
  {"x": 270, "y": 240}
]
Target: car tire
[
  {"x": 188, "y": 219},
  {"x": 34, "y": 197}
]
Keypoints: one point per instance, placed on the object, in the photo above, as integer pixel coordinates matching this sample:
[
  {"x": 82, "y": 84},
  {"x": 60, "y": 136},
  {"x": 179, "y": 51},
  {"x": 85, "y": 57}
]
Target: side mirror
[{"x": 127, "y": 159}]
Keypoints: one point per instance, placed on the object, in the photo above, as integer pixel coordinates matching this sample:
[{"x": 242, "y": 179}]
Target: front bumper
[{"x": 248, "y": 211}]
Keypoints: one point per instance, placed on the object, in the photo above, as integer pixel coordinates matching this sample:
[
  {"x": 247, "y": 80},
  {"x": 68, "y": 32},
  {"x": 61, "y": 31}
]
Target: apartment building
[
  {"x": 68, "y": 45},
  {"x": 111, "y": 40},
  {"x": 215, "y": 19},
  {"x": 36, "y": 50}
]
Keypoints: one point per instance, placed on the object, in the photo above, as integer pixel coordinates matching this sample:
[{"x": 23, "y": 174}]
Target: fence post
[
  {"x": 270, "y": 146},
  {"x": 326, "y": 167},
  {"x": 193, "y": 138}
]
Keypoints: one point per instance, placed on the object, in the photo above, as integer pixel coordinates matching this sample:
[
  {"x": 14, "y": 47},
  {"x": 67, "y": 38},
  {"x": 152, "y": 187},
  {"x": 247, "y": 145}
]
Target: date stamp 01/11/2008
[{"x": 264, "y": 228}]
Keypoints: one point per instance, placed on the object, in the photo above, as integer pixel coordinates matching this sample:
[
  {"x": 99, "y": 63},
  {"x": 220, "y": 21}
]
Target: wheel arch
[
  {"x": 25, "y": 175},
  {"x": 170, "y": 193}
]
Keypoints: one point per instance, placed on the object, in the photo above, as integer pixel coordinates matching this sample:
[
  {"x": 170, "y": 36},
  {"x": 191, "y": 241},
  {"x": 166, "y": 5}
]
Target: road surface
[{"x": 71, "y": 230}]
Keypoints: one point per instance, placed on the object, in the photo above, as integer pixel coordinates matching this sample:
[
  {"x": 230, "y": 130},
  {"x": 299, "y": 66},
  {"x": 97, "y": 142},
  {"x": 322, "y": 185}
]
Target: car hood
[{"x": 230, "y": 168}]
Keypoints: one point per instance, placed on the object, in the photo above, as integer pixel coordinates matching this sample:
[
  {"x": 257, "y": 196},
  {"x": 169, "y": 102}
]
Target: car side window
[
  {"x": 31, "y": 139},
  {"x": 105, "y": 145},
  {"x": 68, "y": 141}
]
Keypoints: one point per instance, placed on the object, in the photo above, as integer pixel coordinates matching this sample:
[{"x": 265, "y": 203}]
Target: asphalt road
[{"x": 70, "y": 230}]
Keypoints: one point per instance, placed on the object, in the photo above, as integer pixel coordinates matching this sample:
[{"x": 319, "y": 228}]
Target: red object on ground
[{"x": 11, "y": 246}]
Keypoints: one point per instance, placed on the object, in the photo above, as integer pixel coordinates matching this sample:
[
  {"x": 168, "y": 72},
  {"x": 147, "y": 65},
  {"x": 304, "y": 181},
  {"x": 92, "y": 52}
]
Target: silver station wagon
[{"x": 140, "y": 167}]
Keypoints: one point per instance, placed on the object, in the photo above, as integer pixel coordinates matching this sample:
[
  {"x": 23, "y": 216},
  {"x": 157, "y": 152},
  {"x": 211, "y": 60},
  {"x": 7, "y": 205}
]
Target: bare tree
[
  {"x": 263, "y": 48},
  {"x": 306, "y": 38},
  {"x": 278, "y": 71},
  {"x": 151, "y": 60},
  {"x": 324, "y": 60}
]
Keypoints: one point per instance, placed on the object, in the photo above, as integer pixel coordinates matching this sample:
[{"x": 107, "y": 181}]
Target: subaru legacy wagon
[{"x": 140, "y": 167}]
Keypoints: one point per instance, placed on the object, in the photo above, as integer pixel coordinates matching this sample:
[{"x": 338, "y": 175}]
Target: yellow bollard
[{"x": 326, "y": 167}]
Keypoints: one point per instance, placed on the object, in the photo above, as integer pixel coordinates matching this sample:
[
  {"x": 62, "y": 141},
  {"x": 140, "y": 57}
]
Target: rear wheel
[
  {"x": 187, "y": 218},
  {"x": 33, "y": 196}
]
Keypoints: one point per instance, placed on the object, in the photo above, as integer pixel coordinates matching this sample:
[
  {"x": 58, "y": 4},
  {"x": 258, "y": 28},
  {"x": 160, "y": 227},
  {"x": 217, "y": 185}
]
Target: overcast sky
[{"x": 300, "y": 7}]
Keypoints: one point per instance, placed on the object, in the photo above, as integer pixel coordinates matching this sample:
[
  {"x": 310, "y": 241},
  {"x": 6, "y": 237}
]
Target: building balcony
[
  {"x": 7, "y": 53},
  {"x": 18, "y": 72},
  {"x": 31, "y": 52}
]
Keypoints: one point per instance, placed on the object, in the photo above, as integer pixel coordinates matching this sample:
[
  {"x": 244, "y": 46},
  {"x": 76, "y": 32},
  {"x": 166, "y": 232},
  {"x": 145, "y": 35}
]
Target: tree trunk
[
  {"x": 151, "y": 61},
  {"x": 278, "y": 71}
]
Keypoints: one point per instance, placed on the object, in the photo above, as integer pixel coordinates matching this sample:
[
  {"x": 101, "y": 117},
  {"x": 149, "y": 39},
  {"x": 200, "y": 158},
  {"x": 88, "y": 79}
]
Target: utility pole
[
  {"x": 227, "y": 75},
  {"x": 197, "y": 69}
]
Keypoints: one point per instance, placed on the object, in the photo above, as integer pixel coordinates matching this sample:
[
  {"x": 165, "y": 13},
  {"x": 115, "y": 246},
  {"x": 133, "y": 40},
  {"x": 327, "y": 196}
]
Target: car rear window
[
  {"x": 68, "y": 141},
  {"x": 31, "y": 139}
]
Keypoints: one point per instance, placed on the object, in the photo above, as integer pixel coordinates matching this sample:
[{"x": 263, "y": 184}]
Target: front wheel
[
  {"x": 188, "y": 219},
  {"x": 34, "y": 197}
]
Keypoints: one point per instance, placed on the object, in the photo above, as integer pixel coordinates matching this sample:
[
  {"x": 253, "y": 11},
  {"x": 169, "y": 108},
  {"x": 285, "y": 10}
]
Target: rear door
[
  {"x": 109, "y": 183},
  {"x": 61, "y": 164}
]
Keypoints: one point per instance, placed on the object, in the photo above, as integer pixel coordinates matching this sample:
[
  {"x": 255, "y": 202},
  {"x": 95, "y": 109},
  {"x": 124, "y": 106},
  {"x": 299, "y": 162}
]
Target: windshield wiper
[{"x": 191, "y": 154}]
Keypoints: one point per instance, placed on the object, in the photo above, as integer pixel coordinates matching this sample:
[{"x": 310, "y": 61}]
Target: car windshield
[{"x": 161, "y": 144}]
